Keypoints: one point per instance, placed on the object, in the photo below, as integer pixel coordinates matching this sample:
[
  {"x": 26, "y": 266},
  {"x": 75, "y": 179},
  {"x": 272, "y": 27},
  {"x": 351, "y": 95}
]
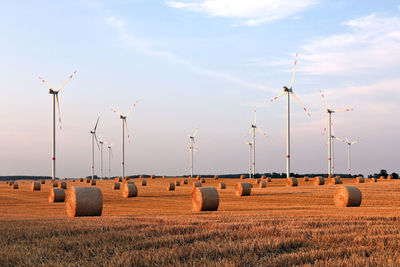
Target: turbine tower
[
  {"x": 93, "y": 133},
  {"x": 192, "y": 142},
  {"x": 124, "y": 125},
  {"x": 330, "y": 111},
  {"x": 54, "y": 92},
  {"x": 254, "y": 128},
  {"x": 250, "y": 144},
  {"x": 348, "y": 143},
  {"x": 289, "y": 91},
  {"x": 101, "y": 142},
  {"x": 109, "y": 147}
]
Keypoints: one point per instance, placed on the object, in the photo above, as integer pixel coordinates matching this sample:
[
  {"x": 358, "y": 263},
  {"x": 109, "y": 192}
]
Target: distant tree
[
  {"x": 383, "y": 173},
  {"x": 283, "y": 175},
  {"x": 395, "y": 176}
]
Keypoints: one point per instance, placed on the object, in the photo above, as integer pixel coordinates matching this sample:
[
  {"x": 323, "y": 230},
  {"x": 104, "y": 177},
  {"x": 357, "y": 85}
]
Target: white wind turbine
[
  {"x": 250, "y": 144},
  {"x": 330, "y": 111},
  {"x": 124, "y": 124},
  {"x": 348, "y": 143},
  {"x": 54, "y": 92},
  {"x": 192, "y": 142},
  {"x": 101, "y": 142},
  {"x": 254, "y": 128},
  {"x": 93, "y": 133},
  {"x": 109, "y": 147},
  {"x": 288, "y": 92}
]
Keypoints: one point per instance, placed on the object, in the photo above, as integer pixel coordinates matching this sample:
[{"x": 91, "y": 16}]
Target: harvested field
[{"x": 276, "y": 226}]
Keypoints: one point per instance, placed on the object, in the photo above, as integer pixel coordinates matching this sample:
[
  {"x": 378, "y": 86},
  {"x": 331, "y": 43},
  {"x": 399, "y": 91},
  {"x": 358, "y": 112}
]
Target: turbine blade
[
  {"x": 324, "y": 98},
  {"x": 343, "y": 110},
  {"x": 97, "y": 122},
  {"x": 294, "y": 71},
  {"x": 196, "y": 132},
  {"x": 255, "y": 114},
  {"x": 58, "y": 111},
  {"x": 260, "y": 131},
  {"x": 65, "y": 83},
  {"x": 97, "y": 142},
  {"x": 119, "y": 114},
  {"x": 340, "y": 139},
  {"x": 127, "y": 131},
  {"x": 301, "y": 104},
  {"x": 130, "y": 110},
  {"x": 354, "y": 142},
  {"x": 275, "y": 98},
  {"x": 44, "y": 81},
  {"x": 347, "y": 140},
  {"x": 326, "y": 126}
]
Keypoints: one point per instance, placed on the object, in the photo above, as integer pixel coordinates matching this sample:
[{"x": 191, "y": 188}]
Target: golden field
[{"x": 274, "y": 226}]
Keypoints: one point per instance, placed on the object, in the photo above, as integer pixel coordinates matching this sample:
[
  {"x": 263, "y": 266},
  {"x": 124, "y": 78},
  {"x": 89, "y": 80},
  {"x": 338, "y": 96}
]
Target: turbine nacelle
[
  {"x": 289, "y": 90},
  {"x": 53, "y": 92}
]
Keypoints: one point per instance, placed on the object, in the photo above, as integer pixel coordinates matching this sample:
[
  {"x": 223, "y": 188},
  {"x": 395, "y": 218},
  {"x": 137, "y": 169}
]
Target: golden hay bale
[
  {"x": 216, "y": 177},
  {"x": 14, "y": 186},
  {"x": 126, "y": 178},
  {"x": 10, "y": 183},
  {"x": 93, "y": 182},
  {"x": 269, "y": 179},
  {"x": 262, "y": 184},
  {"x": 118, "y": 179},
  {"x": 152, "y": 177},
  {"x": 373, "y": 180},
  {"x": 221, "y": 186},
  {"x": 359, "y": 180},
  {"x": 42, "y": 181},
  {"x": 84, "y": 201},
  {"x": 144, "y": 182},
  {"x": 170, "y": 186},
  {"x": 196, "y": 184},
  {"x": 382, "y": 178},
  {"x": 115, "y": 186},
  {"x": 184, "y": 181},
  {"x": 80, "y": 180},
  {"x": 263, "y": 177},
  {"x": 243, "y": 189},
  {"x": 62, "y": 185},
  {"x": 198, "y": 177},
  {"x": 336, "y": 180},
  {"x": 205, "y": 199},
  {"x": 35, "y": 186},
  {"x": 257, "y": 181},
  {"x": 319, "y": 180},
  {"x": 347, "y": 196},
  {"x": 291, "y": 181},
  {"x": 242, "y": 177},
  {"x": 87, "y": 180},
  {"x": 163, "y": 177},
  {"x": 56, "y": 195},
  {"x": 389, "y": 177},
  {"x": 305, "y": 178},
  {"x": 129, "y": 190},
  {"x": 55, "y": 183},
  {"x": 177, "y": 183},
  {"x": 203, "y": 180}
]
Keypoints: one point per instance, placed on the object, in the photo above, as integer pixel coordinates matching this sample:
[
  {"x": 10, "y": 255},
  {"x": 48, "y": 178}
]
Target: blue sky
[{"x": 207, "y": 63}]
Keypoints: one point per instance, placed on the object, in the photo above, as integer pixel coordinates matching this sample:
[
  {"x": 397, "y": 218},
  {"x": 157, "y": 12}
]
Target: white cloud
[
  {"x": 250, "y": 12},
  {"x": 373, "y": 43}
]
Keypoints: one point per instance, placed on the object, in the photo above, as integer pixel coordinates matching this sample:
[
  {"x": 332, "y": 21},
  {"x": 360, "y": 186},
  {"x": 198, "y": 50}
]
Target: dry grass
[{"x": 274, "y": 226}]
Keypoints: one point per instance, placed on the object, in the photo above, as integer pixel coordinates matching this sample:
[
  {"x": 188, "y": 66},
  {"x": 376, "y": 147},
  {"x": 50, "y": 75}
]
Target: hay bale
[
  {"x": 305, "y": 179},
  {"x": 115, "y": 186},
  {"x": 80, "y": 180},
  {"x": 243, "y": 189},
  {"x": 118, "y": 179},
  {"x": 10, "y": 183},
  {"x": 319, "y": 180},
  {"x": 382, "y": 178},
  {"x": 373, "y": 180},
  {"x": 84, "y": 201},
  {"x": 62, "y": 185},
  {"x": 87, "y": 180},
  {"x": 263, "y": 177},
  {"x": 203, "y": 180},
  {"x": 152, "y": 177},
  {"x": 55, "y": 183},
  {"x": 198, "y": 177},
  {"x": 242, "y": 177},
  {"x": 144, "y": 182},
  {"x": 389, "y": 177},
  {"x": 170, "y": 186},
  {"x": 221, "y": 186},
  {"x": 359, "y": 180},
  {"x": 42, "y": 181},
  {"x": 269, "y": 179},
  {"x": 56, "y": 195},
  {"x": 35, "y": 186},
  {"x": 196, "y": 184},
  {"x": 93, "y": 182},
  {"x": 177, "y": 183},
  {"x": 257, "y": 181},
  {"x": 291, "y": 181},
  {"x": 184, "y": 181},
  {"x": 216, "y": 177},
  {"x": 163, "y": 177},
  {"x": 347, "y": 196},
  {"x": 262, "y": 184},
  {"x": 205, "y": 199},
  {"x": 129, "y": 190},
  {"x": 14, "y": 186},
  {"x": 335, "y": 180}
]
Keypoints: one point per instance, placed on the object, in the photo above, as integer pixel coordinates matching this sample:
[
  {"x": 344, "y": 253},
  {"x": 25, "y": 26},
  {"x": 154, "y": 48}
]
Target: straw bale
[
  {"x": 56, "y": 195},
  {"x": 262, "y": 184},
  {"x": 170, "y": 186},
  {"x": 347, "y": 196},
  {"x": 205, "y": 199},
  {"x": 243, "y": 189},
  {"x": 359, "y": 180},
  {"x": 319, "y": 180},
  {"x": 129, "y": 190},
  {"x": 291, "y": 181},
  {"x": 115, "y": 186},
  {"x": 35, "y": 186},
  {"x": 221, "y": 186},
  {"x": 196, "y": 184},
  {"x": 84, "y": 201}
]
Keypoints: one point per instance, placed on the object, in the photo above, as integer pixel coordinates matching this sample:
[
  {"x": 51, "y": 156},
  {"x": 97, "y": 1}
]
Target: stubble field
[{"x": 274, "y": 226}]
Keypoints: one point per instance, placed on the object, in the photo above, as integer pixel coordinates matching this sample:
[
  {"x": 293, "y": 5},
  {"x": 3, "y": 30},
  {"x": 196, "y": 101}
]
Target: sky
[{"x": 199, "y": 63}]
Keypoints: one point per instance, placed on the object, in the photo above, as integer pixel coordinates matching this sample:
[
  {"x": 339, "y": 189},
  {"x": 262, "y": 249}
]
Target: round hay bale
[
  {"x": 129, "y": 190},
  {"x": 382, "y": 178},
  {"x": 347, "y": 196},
  {"x": 305, "y": 178},
  {"x": 203, "y": 180},
  {"x": 144, "y": 182},
  {"x": 205, "y": 199},
  {"x": 269, "y": 179},
  {"x": 35, "y": 186},
  {"x": 359, "y": 180},
  {"x": 80, "y": 180},
  {"x": 243, "y": 189},
  {"x": 62, "y": 185},
  {"x": 336, "y": 180},
  {"x": 262, "y": 184},
  {"x": 152, "y": 177},
  {"x": 10, "y": 183},
  {"x": 87, "y": 180},
  {"x": 242, "y": 177},
  {"x": 177, "y": 183},
  {"x": 184, "y": 181},
  {"x": 93, "y": 182},
  {"x": 389, "y": 177},
  {"x": 257, "y": 181},
  {"x": 221, "y": 186},
  {"x": 42, "y": 181},
  {"x": 216, "y": 177},
  {"x": 373, "y": 180},
  {"x": 163, "y": 177},
  {"x": 84, "y": 201},
  {"x": 115, "y": 186},
  {"x": 198, "y": 177},
  {"x": 56, "y": 195},
  {"x": 127, "y": 178},
  {"x": 118, "y": 179},
  {"x": 55, "y": 183},
  {"x": 319, "y": 180},
  {"x": 14, "y": 186},
  {"x": 291, "y": 181},
  {"x": 263, "y": 177},
  {"x": 170, "y": 186},
  {"x": 196, "y": 184}
]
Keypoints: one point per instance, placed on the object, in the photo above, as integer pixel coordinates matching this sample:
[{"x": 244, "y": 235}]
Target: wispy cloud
[{"x": 250, "y": 12}]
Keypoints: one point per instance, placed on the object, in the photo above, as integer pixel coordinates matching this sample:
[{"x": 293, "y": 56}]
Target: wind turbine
[
  {"x": 289, "y": 91},
  {"x": 349, "y": 143},
  {"x": 250, "y": 144},
  {"x": 253, "y": 128},
  {"x": 109, "y": 147},
  {"x": 54, "y": 92},
  {"x": 330, "y": 111},
  {"x": 124, "y": 124},
  {"x": 192, "y": 142},
  {"x": 101, "y": 142},
  {"x": 93, "y": 133}
]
